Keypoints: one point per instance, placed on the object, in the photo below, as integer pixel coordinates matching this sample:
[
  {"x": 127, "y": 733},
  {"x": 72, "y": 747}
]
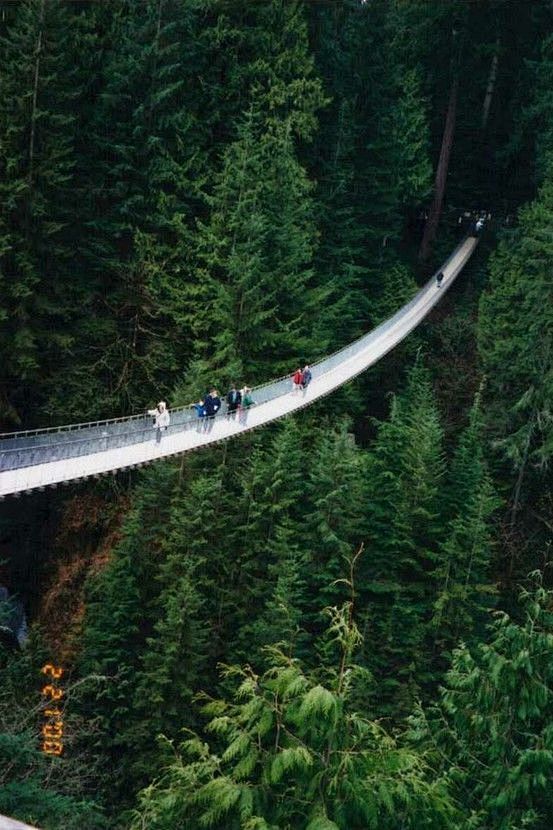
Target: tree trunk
[
  {"x": 35, "y": 95},
  {"x": 441, "y": 173},
  {"x": 490, "y": 87},
  {"x": 520, "y": 477}
]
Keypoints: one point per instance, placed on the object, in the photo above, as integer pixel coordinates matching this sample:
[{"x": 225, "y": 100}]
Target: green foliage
[
  {"x": 294, "y": 754},
  {"x": 270, "y": 561},
  {"x": 304, "y": 502},
  {"x": 464, "y": 560},
  {"x": 142, "y": 190},
  {"x": 255, "y": 255},
  {"x": 405, "y": 474},
  {"x": 119, "y": 620},
  {"x": 541, "y": 108},
  {"x": 491, "y": 730},
  {"x": 41, "y": 89},
  {"x": 174, "y": 657},
  {"x": 45, "y": 790},
  {"x": 371, "y": 158},
  {"x": 515, "y": 326},
  {"x": 334, "y": 522}
]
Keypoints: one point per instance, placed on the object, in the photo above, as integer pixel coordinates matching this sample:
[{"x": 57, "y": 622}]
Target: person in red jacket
[{"x": 297, "y": 379}]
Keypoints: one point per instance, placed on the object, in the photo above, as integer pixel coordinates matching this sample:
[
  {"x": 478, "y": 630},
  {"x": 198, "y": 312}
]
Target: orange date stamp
[{"x": 52, "y": 729}]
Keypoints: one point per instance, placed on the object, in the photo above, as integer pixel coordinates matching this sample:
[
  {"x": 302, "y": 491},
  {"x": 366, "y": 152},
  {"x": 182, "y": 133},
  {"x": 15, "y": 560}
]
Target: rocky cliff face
[{"x": 13, "y": 620}]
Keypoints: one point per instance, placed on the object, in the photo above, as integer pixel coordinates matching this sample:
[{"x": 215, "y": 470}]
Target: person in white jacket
[{"x": 162, "y": 418}]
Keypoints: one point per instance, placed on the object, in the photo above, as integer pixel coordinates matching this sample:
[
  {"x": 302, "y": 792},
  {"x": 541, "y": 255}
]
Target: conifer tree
[
  {"x": 256, "y": 253},
  {"x": 515, "y": 344},
  {"x": 177, "y": 652},
  {"x": 265, "y": 541},
  {"x": 294, "y": 753},
  {"x": 258, "y": 51},
  {"x": 315, "y": 482},
  {"x": 339, "y": 257},
  {"x": 372, "y": 165},
  {"x": 53, "y": 791},
  {"x": 41, "y": 294},
  {"x": 540, "y": 109},
  {"x": 120, "y": 618},
  {"x": 334, "y": 523},
  {"x": 491, "y": 730},
  {"x": 464, "y": 560},
  {"x": 396, "y": 585},
  {"x": 143, "y": 192},
  {"x": 282, "y": 620},
  {"x": 363, "y": 52}
]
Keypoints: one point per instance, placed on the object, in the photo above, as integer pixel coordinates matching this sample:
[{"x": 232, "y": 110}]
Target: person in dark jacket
[
  {"x": 212, "y": 405},
  {"x": 439, "y": 278},
  {"x": 234, "y": 399},
  {"x": 306, "y": 377}
]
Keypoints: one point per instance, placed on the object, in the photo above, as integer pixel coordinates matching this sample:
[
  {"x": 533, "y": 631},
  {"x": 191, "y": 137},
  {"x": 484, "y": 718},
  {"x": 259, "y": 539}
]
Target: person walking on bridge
[
  {"x": 162, "y": 419},
  {"x": 306, "y": 377},
  {"x": 212, "y": 406},
  {"x": 234, "y": 399},
  {"x": 199, "y": 408},
  {"x": 246, "y": 402},
  {"x": 297, "y": 378}
]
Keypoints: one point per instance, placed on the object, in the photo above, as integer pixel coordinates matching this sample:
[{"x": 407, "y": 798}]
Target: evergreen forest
[{"x": 342, "y": 621}]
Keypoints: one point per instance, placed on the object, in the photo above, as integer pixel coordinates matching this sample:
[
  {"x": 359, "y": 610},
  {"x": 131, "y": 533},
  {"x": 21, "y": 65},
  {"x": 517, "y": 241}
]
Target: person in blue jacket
[{"x": 200, "y": 413}]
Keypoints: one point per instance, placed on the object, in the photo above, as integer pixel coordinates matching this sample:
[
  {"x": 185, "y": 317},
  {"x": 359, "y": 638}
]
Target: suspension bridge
[{"x": 35, "y": 459}]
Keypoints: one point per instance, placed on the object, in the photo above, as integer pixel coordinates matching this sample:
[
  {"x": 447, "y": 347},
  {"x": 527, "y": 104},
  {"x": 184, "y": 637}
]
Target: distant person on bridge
[
  {"x": 212, "y": 406},
  {"x": 439, "y": 278},
  {"x": 162, "y": 418},
  {"x": 306, "y": 377},
  {"x": 200, "y": 413},
  {"x": 297, "y": 379},
  {"x": 246, "y": 402},
  {"x": 199, "y": 407},
  {"x": 234, "y": 397}
]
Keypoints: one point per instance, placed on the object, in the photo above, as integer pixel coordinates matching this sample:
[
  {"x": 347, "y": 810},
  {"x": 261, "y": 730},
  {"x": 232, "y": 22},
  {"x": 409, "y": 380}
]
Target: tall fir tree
[
  {"x": 334, "y": 520},
  {"x": 120, "y": 618},
  {"x": 145, "y": 168},
  {"x": 41, "y": 293},
  {"x": 265, "y": 540},
  {"x": 396, "y": 586},
  {"x": 256, "y": 251},
  {"x": 515, "y": 339},
  {"x": 177, "y": 653},
  {"x": 464, "y": 562},
  {"x": 490, "y": 733}
]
